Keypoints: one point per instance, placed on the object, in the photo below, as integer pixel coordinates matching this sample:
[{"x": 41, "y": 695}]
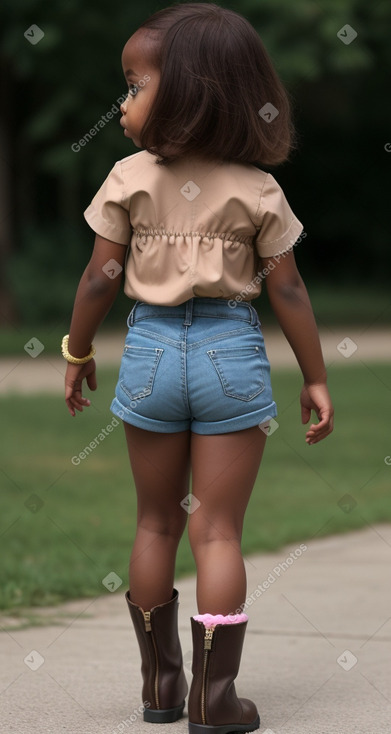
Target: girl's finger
[
  {"x": 315, "y": 437},
  {"x": 317, "y": 432},
  {"x": 324, "y": 420},
  {"x": 77, "y": 403},
  {"x": 70, "y": 407},
  {"x": 324, "y": 431},
  {"x": 305, "y": 414}
]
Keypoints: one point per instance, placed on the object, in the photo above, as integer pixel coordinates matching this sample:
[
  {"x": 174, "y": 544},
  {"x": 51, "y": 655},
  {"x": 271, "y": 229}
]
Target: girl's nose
[{"x": 123, "y": 107}]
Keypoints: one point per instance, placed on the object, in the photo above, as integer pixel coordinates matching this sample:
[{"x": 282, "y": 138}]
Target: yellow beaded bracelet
[{"x": 75, "y": 360}]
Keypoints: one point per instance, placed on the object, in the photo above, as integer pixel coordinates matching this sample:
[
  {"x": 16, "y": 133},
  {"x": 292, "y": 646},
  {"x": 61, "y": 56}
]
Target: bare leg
[
  {"x": 161, "y": 469},
  {"x": 224, "y": 469}
]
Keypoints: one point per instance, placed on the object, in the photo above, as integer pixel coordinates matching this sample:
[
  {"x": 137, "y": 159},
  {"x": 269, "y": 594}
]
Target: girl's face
[{"x": 143, "y": 80}]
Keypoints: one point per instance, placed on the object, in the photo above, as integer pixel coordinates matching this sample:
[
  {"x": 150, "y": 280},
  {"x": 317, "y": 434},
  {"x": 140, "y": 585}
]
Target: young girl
[{"x": 196, "y": 226}]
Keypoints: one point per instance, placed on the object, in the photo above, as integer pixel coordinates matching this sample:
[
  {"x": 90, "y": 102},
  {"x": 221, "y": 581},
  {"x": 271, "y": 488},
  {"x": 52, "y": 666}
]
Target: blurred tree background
[{"x": 55, "y": 90}]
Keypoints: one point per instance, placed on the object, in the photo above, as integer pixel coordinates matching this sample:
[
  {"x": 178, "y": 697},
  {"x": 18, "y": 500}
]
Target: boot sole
[
  {"x": 164, "y": 716},
  {"x": 224, "y": 728}
]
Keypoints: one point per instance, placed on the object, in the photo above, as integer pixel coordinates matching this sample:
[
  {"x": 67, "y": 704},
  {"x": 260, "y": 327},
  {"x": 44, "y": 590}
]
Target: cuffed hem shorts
[{"x": 201, "y": 366}]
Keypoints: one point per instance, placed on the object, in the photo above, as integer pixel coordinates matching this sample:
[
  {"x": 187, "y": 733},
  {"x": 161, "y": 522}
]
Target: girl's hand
[
  {"x": 73, "y": 380},
  {"x": 315, "y": 396}
]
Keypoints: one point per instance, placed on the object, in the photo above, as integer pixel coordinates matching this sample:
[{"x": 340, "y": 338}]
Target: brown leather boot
[
  {"x": 213, "y": 703},
  {"x": 164, "y": 681}
]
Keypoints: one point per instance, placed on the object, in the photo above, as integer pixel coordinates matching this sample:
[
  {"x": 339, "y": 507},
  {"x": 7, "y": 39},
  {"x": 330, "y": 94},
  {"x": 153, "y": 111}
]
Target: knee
[
  {"x": 170, "y": 527},
  {"x": 203, "y": 531}
]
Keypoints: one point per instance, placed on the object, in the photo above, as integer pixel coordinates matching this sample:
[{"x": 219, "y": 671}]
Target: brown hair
[{"x": 215, "y": 77}]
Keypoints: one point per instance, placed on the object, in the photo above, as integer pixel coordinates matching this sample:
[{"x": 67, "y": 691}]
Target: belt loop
[
  {"x": 131, "y": 315},
  {"x": 189, "y": 312},
  {"x": 254, "y": 315}
]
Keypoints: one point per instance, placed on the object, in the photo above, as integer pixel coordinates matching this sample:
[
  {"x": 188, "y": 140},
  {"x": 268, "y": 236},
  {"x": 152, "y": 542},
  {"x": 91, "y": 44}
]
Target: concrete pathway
[
  {"x": 316, "y": 658},
  {"x": 45, "y": 373}
]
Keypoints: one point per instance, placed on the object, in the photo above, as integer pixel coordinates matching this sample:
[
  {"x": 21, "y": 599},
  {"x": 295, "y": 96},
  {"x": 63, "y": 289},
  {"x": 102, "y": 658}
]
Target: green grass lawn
[{"x": 64, "y": 527}]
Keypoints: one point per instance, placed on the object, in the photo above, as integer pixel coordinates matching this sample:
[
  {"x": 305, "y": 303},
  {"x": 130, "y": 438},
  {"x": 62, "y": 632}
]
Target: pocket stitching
[
  {"x": 213, "y": 356},
  {"x": 148, "y": 389}
]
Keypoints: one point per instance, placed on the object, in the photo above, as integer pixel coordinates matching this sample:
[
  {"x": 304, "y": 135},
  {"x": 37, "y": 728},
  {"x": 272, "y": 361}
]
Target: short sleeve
[
  {"x": 279, "y": 227},
  {"x": 108, "y": 213}
]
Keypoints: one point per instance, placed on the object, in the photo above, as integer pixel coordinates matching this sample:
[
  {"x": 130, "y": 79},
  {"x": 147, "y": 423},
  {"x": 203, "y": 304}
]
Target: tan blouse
[{"x": 195, "y": 227}]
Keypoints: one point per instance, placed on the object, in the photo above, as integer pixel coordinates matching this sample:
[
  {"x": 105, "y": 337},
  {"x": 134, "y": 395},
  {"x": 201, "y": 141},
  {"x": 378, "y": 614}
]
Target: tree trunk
[{"x": 8, "y": 310}]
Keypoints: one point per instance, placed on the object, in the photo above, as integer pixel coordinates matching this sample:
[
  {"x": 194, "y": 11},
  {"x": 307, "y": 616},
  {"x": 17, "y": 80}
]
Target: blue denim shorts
[{"x": 201, "y": 366}]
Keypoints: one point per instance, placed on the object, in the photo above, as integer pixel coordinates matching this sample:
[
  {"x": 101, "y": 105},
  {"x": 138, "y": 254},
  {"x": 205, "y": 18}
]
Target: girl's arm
[
  {"x": 95, "y": 295},
  {"x": 291, "y": 304}
]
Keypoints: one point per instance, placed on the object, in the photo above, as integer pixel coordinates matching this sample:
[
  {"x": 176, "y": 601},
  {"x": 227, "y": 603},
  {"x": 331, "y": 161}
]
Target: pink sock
[{"x": 210, "y": 620}]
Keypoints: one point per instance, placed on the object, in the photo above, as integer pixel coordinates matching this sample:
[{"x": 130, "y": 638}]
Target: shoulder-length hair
[{"x": 219, "y": 95}]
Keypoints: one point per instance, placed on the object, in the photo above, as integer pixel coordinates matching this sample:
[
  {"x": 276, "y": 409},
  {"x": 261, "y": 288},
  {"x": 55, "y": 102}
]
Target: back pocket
[
  {"x": 240, "y": 371},
  {"x": 138, "y": 370}
]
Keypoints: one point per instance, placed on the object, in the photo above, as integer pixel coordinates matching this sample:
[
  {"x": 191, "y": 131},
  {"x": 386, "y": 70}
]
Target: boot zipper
[
  {"x": 148, "y": 628},
  {"x": 207, "y": 647},
  {"x": 147, "y": 621}
]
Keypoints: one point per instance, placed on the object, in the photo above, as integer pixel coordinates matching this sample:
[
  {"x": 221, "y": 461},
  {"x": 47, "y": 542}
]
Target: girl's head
[{"x": 202, "y": 75}]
